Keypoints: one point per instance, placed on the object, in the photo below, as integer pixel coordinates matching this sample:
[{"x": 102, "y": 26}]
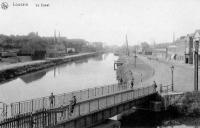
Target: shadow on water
[
  {"x": 98, "y": 58},
  {"x": 154, "y": 120},
  {"x": 31, "y": 77}
]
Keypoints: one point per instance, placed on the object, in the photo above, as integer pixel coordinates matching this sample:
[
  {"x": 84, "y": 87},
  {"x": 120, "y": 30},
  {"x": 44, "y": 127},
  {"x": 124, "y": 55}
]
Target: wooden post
[
  {"x": 95, "y": 91},
  {"x": 135, "y": 57},
  {"x": 89, "y": 106},
  {"x": 88, "y": 93},
  {"x": 79, "y": 110},
  {"x": 172, "y": 69},
  {"x": 19, "y": 107},
  {"x": 11, "y": 106},
  {"x": 102, "y": 91},
  {"x": 161, "y": 88},
  {"x": 43, "y": 102},
  {"x": 80, "y": 95},
  {"x": 32, "y": 105}
]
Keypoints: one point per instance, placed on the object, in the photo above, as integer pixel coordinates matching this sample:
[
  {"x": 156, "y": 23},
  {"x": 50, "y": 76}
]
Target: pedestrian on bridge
[
  {"x": 72, "y": 104},
  {"x": 154, "y": 84},
  {"x": 52, "y": 100},
  {"x": 132, "y": 82}
]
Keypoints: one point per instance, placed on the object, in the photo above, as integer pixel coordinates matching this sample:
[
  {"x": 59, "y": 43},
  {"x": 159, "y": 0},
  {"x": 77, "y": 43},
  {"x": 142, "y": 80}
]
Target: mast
[
  {"x": 55, "y": 39},
  {"x": 127, "y": 49}
]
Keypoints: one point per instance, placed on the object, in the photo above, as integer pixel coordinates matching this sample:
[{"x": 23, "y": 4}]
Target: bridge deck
[{"x": 88, "y": 101}]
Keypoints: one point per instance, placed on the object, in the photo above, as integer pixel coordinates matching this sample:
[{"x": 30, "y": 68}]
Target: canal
[
  {"x": 77, "y": 75},
  {"x": 86, "y": 73}
]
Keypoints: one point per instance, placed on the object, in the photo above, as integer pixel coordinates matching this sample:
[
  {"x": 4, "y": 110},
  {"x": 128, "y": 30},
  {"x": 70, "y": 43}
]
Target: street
[{"x": 183, "y": 74}]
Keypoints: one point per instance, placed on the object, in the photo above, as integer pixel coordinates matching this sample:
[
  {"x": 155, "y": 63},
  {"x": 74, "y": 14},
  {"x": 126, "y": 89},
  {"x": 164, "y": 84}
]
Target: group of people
[
  {"x": 72, "y": 104},
  {"x": 133, "y": 81}
]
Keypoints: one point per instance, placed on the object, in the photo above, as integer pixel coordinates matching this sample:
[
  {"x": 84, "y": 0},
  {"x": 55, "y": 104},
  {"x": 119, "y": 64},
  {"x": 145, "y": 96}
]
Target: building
[
  {"x": 189, "y": 49},
  {"x": 160, "y": 52},
  {"x": 182, "y": 48},
  {"x": 70, "y": 50}
]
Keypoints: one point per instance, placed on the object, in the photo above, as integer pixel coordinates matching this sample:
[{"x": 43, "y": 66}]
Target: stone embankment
[
  {"x": 17, "y": 69},
  {"x": 189, "y": 104}
]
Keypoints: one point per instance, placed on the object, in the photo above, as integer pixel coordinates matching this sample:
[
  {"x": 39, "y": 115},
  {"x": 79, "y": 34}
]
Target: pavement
[
  {"x": 183, "y": 74},
  {"x": 141, "y": 72}
]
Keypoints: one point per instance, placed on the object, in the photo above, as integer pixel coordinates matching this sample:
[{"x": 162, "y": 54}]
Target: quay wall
[
  {"x": 187, "y": 103},
  {"x": 18, "y": 69}
]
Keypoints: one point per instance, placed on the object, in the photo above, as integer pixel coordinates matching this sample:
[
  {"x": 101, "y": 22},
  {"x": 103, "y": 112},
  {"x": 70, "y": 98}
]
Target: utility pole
[
  {"x": 172, "y": 69},
  {"x": 196, "y": 59},
  {"x": 135, "y": 57},
  {"x": 196, "y": 65},
  {"x": 55, "y": 39}
]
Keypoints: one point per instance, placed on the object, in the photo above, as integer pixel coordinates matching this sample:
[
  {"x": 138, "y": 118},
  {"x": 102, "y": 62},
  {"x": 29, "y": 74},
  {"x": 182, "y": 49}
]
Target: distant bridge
[{"x": 93, "y": 106}]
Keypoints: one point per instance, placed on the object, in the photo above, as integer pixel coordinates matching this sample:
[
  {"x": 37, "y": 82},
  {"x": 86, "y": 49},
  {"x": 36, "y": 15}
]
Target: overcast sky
[{"x": 104, "y": 20}]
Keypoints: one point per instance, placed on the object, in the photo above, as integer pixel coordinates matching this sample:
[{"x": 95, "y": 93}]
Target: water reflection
[
  {"x": 78, "y": 62},
  {"x": 81, "y": 74},
  {"x": 33, "y": 76},
  {"x": 99, "y": 58}
]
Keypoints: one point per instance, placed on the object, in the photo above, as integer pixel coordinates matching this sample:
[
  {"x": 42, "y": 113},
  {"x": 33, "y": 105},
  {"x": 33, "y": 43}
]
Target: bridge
[{"x": 93, "y": 106}]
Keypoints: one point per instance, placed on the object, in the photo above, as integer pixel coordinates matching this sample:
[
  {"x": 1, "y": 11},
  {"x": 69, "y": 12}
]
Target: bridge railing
[
  {"x": 34, "y": 105},
  {"x": 99, "y": 103},
  {"x": 53, "y": 117},
  {"x": 166, "y": 88}
]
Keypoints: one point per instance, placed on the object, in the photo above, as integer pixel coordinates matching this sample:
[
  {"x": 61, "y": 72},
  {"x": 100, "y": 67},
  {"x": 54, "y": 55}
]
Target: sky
[{"x": 103, "y": 20}]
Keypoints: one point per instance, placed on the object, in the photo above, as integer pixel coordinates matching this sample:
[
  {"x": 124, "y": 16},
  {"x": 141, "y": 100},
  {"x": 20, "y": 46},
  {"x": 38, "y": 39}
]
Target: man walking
[
  {"x": 52, "y": 100},
  {"x": 132, "y": 82},
  {"x": 72, "y": 104}
]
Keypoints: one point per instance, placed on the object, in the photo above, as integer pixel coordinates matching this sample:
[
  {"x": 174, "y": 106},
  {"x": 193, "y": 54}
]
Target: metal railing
[
  {"x": 166, "y": 88},
  {"x": 99, "y": 103},
  {"x": 34, "y": 105},
  {"x": 52, "y": 117}
]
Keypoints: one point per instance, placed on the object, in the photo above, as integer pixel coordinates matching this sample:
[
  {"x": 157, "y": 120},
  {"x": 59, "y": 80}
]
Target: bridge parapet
[
  {"x": 91, "y": 105},
  {"x": 166, "y": 88},
  {"x": 34, "y": 105}
]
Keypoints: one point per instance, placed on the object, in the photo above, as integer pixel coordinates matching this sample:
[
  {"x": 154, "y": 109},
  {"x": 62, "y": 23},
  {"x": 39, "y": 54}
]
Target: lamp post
[
  {"x": 135, "y": 57},
  {"x": 172, "y": 70}
]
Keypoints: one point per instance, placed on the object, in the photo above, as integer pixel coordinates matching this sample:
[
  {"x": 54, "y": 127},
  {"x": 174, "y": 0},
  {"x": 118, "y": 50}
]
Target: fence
[
  {"x": 56, "y": 116},
  {"x": 166, "y": 88},
  {"x": 34, "y": 105}
]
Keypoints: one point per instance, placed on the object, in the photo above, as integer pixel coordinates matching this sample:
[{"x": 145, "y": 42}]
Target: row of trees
[{"x": 33, "y": 42}]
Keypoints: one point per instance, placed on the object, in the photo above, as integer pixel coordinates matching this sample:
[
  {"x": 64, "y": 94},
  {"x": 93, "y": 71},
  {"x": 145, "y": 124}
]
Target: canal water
[{"x": 81, "y": 74}]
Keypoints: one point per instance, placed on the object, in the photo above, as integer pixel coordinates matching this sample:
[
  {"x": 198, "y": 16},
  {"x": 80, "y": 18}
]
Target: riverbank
[
  {"x": 188, "y": 104},
  {"x": 141, "y": 71},
  {"x": 146, "y": 119},
  {"x": 11, "y": 71}
]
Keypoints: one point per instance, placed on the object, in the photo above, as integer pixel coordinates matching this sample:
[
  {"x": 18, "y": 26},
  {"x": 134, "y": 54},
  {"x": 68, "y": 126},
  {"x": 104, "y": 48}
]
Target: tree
[{"x": 145, "y": 46}]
